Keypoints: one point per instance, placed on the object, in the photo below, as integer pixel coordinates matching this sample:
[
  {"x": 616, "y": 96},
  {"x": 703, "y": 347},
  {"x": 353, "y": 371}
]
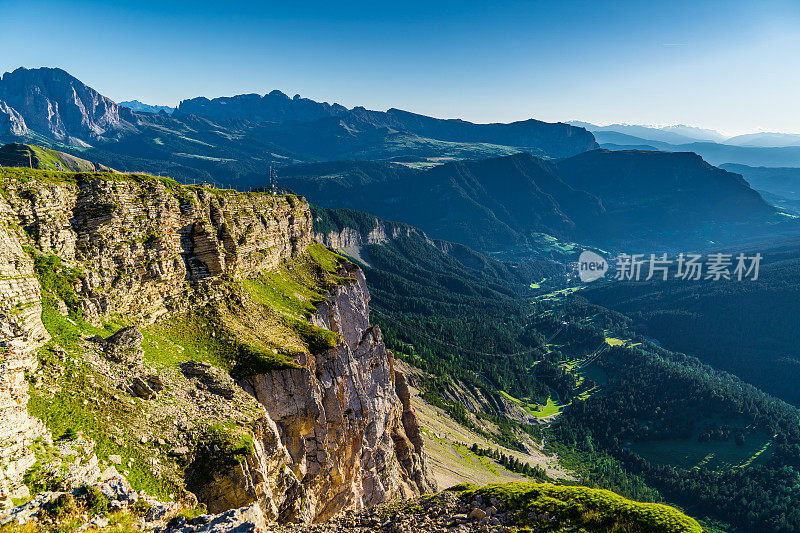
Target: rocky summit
[{"x": 55, "y": 104}]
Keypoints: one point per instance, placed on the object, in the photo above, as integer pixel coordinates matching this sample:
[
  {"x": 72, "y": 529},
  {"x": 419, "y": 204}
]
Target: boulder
[
  {"x": 477, "y": 514},
  {"x": 242, "y": 520},
  {"x": 124, "y": 346},
  {"x": 118, "y": 489},
  {"x": 155, "y": 382},
  {"x": 210, "y": 378},
  {"x": 141, "y": 388},
  {"x": 160, "y": 511}
]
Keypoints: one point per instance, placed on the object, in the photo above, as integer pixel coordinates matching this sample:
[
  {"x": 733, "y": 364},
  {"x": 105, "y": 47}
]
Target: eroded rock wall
[
  {"x": 340, "y": 416},
  {"x": 21, "y": 334},
  {"x": 146, "y": 248},
  {"x": 348, "y": 238},
  {"x": 334, "y": 434}
]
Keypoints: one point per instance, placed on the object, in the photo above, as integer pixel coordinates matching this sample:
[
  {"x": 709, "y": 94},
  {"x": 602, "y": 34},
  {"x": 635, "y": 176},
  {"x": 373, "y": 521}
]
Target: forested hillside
[
  {"x": 747, "y": 329},
  {"x": 627, "y": 199},
  {"x": 642, "y": 420}
]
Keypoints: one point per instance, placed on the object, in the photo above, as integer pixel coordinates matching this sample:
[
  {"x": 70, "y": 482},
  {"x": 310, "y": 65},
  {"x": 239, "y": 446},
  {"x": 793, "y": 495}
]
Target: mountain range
[
  {"x": 676, "y": 134},
  {"x": 754, "y": 149},
  {"x": 490, "y": 186},
  {"x": 611, "y": 198},
  {"x": 217, "y": 345},
  {"x": 236, "y": 139},
  {"x": 681, "y": 134},
  {"x": 136, "y": 105}
]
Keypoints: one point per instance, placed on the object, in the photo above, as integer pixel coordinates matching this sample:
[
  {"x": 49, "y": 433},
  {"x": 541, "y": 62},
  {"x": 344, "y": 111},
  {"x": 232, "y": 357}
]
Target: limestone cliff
[
  {"x": 351, "y": 232},
  {"x": 149, "y": 246},
  {"x": 21, "y": 334},
  {"x": 322, "y": 428},
  {"x": 340, "y": 416}
]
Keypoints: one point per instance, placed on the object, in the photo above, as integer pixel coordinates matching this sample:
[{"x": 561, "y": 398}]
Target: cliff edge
[{"x": 197, "y": 341}]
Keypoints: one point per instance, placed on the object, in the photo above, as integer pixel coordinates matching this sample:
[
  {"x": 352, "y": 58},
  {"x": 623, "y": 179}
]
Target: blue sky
[{"x": 733, "y": 66}]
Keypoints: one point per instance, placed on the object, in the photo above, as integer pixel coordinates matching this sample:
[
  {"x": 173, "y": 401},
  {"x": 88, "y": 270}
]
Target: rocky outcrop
[
  {"x": 92, "y": 498},
  {"x": 329, "y": 435},
  {"x": 148, "y": 247},
  {"x": 57, "y": 105},
  {"x": 263, "y": 478},
  {"x": 124, "y": 346},
  {"x": 21, "y": 334},
  {"x": 340, "y": 417},
  {"x": 243, "y": 520}
]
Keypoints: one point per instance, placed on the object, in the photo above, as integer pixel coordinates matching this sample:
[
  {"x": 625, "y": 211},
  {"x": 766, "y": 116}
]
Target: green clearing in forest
[
  {"x": 539, "y": 411},
  {"x": 689, "y": 453}
]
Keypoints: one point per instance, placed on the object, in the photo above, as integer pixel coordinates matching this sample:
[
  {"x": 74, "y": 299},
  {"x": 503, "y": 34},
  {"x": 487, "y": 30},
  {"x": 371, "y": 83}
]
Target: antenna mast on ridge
[{"x": 273, "y": 180}]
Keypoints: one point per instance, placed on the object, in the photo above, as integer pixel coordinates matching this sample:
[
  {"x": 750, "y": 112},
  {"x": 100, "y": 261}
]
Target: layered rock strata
[
  {"x": 353, "y": 441},
  {"x": 333, "y": 434}
]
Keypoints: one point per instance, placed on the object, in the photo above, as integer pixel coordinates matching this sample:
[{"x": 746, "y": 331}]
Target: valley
[{"x": 399, "y": 314}]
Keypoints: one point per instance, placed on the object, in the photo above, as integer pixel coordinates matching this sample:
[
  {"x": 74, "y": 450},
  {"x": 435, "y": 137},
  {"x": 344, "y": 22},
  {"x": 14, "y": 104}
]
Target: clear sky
[{"x": 732, "y": 65}]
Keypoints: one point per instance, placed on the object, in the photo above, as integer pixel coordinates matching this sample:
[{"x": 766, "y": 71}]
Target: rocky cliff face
[
  {"x": 53, "y": 103},
  {"x": 21, "y": 334},
  {"x": 348, "y": 238},
  {"x": 328, "y": 433},
  {"x": 150, "y": 247},
  {"x": 11, "y": 121},
  {"x": 348, "y": 432}
]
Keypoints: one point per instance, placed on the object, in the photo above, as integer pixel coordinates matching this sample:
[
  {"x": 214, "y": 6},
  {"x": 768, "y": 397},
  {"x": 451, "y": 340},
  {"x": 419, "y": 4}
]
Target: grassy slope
[
  {"x": 588, "y": 509},
  {"x": 257, "y": 334},
  {"x": 74, "y": 397},
  {"x": 447, "y": 444},
  {"x": 71, "y": 396},
  {"x": 23, "y": 155}
]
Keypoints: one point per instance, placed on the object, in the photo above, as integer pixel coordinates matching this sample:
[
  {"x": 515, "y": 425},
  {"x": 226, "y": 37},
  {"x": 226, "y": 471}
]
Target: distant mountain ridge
[
  {"x": 715, "y": 153},
  {"x": 752, "y": 149},
  {"x": 780, "y": 181},
  {"x": 51, "y": 102},
  {"x": 136, "y": 105},
  {"x": 765, "y": 139},
  {"x": 274, "y": 106},
  {"x": 235, "y": 139},
  {"x": 555, "y": 139},
  {"x": 605, "y": 197},
  {"x": 675, "y": 134}
]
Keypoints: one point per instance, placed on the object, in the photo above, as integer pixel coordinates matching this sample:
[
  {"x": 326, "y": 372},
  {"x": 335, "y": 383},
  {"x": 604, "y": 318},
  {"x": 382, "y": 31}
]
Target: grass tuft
[{"x": 587, "y": 508}]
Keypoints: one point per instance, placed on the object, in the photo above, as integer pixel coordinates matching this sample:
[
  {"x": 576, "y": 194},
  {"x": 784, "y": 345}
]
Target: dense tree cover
[
  {"x": 652, "y": 394},
  {"x": 471, "y": 318},
  {"x": 748, "y": 328},
  {"x": 457, "y": 316},
  {"x": 657, "y": 395},
  {"x": 511, "y": 463},
  {"x": 596, "y": 197}
]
